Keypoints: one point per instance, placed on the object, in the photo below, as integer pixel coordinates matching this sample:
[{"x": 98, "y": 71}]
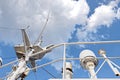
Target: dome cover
[{"x": 86, "y": 53}]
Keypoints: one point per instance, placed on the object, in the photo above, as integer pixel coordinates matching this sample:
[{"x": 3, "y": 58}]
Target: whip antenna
[{"x": 39, "y": 39}]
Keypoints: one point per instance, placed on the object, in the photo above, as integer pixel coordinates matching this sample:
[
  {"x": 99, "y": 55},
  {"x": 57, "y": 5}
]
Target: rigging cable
[
  {"x": 48, "y": 72},
  {"x": 12, "y": 62},
  {"x": 60, "y": 59}
]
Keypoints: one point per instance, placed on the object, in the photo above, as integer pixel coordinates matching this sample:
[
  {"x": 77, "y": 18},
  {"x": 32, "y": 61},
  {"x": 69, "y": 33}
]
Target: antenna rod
[
  {"x": 115, "y": 70},
  {"x": 38, "y": 41}
]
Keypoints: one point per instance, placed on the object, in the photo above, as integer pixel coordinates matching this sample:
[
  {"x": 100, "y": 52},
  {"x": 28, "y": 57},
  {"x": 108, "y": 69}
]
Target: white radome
[
  {"x": 86, "y": 53},
  {"x": 88, "y": 57}
]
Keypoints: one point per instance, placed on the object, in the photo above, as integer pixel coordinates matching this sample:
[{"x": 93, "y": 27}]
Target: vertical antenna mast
[{"x": 103, "y": 54}]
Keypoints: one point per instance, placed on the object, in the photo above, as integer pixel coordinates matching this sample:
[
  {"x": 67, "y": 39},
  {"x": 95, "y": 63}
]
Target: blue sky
[{"x": 70, "y": 21}]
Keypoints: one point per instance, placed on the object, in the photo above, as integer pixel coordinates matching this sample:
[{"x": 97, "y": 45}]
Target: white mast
[
  {"x": 21, "y": 69},
  {"x": 68, "y": 70}
]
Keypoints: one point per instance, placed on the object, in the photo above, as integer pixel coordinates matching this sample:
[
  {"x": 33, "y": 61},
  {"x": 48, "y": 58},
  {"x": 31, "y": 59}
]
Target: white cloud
[
  {"x": 64, "y": 14},
  {"x": 0, "y": 12},
  {"x": 118, "y": 14},
  {"x": 84, "y": 35},
  {"x": 103, "y": 15}
]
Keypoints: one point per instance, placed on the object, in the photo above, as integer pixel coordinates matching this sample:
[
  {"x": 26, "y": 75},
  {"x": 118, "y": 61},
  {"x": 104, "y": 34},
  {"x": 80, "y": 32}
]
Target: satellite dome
[
  {"x": 87, "y": 56},
  {"x": 86, "y": 53}
]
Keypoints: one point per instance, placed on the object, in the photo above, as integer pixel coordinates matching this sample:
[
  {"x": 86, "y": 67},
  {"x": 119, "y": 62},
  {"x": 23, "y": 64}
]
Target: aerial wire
[
  {"x": 7, "y": 28},
  {"x": 100, "y": 67},
  {"x": 114, "y": 64},
  {"x": 60, "y": 59},
  {"x": 48, "y": 72},
  {"x": 53, "y": 62},
  {"x": 12, "y": 62},
  {"x": 8, "y": 58},
  {"x": 13, "y": 28},
  {"x": 43, "y": 29},
  {"x": 35, "y": 76}
]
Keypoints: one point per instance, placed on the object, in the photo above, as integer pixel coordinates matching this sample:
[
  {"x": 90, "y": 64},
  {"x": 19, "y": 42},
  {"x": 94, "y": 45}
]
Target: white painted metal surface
[
  {"x": 0, "y": 61},
  {"x": 68, "y": 70}
]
